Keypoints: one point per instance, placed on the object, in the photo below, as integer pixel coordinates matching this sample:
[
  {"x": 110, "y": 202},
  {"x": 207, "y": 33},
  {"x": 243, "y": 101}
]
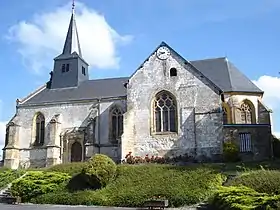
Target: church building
[{"x": 168, "y": 107}]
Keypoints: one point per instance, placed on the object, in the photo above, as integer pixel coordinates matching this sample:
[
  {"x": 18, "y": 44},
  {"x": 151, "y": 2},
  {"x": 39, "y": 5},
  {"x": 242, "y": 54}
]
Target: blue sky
[{"x": 116, "y": 37}]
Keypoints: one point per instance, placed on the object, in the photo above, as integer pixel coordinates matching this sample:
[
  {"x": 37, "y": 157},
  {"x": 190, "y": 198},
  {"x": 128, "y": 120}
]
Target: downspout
[
  {"x": 195, "y": 139},
  {"x": 60, "y": 151},
  {"x": 98, "y": 110}
]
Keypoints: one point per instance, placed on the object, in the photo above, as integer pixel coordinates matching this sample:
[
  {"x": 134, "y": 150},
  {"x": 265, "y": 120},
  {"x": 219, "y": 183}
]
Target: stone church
[{"x": 169, "y": 107}]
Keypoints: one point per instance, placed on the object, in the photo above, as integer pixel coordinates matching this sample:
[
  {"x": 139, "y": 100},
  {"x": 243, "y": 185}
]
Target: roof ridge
[
  {"x": 229, "y": 75},
  {"x": 107, "y": 78},
  {"x": 208, "y": 59}
]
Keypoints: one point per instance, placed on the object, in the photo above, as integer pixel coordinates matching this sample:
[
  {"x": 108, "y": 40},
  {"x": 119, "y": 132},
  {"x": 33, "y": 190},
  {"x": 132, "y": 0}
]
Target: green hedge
[
  {"x": 242, "y": 198},
  {"x": 38, "y": 182},
  {"x": 8, "y": 175},
  {"x": 69, "y": 168},
  {"x": 134, "y": 184},
  {"x": 263, "y": 181}
]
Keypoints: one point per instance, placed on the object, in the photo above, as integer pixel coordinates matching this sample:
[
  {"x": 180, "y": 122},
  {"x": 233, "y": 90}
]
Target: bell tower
[{"x": 69, "y": 67}]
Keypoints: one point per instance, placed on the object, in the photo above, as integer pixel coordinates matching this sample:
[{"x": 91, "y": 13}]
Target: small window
[
  {"x": 83, "y": 70},
  {"x": 67, "y": 67},
  {"x": 173, "y": 72},
  {"x": 63, "y": 68},
  {"x": 245, "y": 142}
]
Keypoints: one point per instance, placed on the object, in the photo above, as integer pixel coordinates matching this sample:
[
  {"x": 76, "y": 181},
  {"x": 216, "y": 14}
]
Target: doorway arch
[{"x": 76, "y": 152}]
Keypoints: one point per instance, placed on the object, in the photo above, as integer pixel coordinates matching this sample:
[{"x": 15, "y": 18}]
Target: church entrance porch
[
  {"x": 73, "y": 145},
  {"x": 76, "y": 152}
]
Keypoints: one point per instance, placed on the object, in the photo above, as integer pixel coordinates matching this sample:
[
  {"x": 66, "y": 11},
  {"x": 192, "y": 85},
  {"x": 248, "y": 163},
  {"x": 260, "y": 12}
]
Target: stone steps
[{"x": 6, "y": 195}]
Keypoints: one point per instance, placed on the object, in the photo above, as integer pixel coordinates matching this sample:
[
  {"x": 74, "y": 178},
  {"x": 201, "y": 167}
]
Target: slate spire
[{"x": 72, "y": 43}]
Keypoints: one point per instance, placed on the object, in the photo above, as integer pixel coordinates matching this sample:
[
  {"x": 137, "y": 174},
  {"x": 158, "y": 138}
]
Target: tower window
[
  {"x": 173, "y": 72},
  {"x": 63, "y": 68},
  {"x": 83, "y": 70},
  {"x": 67, "y": 67}
]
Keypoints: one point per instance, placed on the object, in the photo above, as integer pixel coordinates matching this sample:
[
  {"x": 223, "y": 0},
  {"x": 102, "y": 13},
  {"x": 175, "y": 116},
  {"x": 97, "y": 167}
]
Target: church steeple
[
  {"x": 70, "y": 69},
  {"x": 72, "y": 43}
]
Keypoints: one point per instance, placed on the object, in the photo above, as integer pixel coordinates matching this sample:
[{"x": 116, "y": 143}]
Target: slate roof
[
  {"x": 225, "y": 75},
  {"x": 90, "y": 89},
  {"x": 219, "y": 70}
]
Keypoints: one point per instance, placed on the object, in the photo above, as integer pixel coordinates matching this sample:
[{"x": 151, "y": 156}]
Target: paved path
[
  {"x": 56, "y": 207},
  {"x": 61, "y": 207}
]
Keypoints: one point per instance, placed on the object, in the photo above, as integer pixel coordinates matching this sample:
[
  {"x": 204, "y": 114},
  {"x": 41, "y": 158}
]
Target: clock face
[{"x": 163, "y": 53}]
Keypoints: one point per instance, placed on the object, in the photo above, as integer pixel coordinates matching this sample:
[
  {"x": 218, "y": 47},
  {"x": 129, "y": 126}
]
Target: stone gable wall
[{"x": 198, "y": 106}]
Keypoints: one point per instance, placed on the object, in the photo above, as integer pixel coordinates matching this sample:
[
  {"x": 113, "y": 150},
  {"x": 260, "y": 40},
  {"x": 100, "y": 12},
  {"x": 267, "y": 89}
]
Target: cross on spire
[{"x": 73, "y": 5}]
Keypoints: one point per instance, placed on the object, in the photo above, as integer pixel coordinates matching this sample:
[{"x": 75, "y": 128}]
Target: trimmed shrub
[
  {"x": 235, "y": 198},
  {"x": 8, "y": 175},
  {"x": 230, "y": 151},
  {"x": 263, "y": 181},
  {"x": 134, "y": 184},
  {"x": 100, "y": 170},
  {"x": 38, "y": 182},
  {"x": 69, "y": 168},
  {"x": 82, "y": 181}
]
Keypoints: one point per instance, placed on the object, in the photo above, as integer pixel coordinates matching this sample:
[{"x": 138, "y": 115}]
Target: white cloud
[
  {"x": 271, "y": 87},
  {"x": 42, "y": 38}
]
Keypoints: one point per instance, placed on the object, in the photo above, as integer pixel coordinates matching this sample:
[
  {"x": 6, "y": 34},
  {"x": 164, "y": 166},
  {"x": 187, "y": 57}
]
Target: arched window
[
  {"x": 173, "y": 72},
  {"x": 247, "y": 113},
  {"x": 40, "y": 129},
  {"x": 165, "y": 113},
  {"x": 116, "y": 124}
]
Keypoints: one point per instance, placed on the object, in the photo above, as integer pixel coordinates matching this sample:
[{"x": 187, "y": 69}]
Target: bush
[
  {"x": 82, "y": 181},
  {"x": 38, "y": 182},
  {"x": 235, "y": 198},
  {"x": 263, "y": 181},
  {"x": 8, "y": 175},
  {"x": 230, "y": 151},
  {"x": 69, "y": 168},
  {"x": 100, "y": 170},
  {"x": 134, "y": 184}
]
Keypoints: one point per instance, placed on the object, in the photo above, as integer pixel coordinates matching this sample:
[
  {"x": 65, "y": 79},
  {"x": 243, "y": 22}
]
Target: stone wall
[
  {"x": 60, "y": 118},
  {"x": 198, "y": 110},
  {"x": 260, "y": 136}
]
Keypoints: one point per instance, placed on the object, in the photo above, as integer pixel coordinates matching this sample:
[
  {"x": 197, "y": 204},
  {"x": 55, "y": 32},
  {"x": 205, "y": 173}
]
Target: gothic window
[
  {"x": 116, "y": 124},
  {"x": 246, "y": 113},
  {"x": 40, "y": 129},
  {"x": 165, "y": 117},
  {"x": 173, "y": 72}
]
